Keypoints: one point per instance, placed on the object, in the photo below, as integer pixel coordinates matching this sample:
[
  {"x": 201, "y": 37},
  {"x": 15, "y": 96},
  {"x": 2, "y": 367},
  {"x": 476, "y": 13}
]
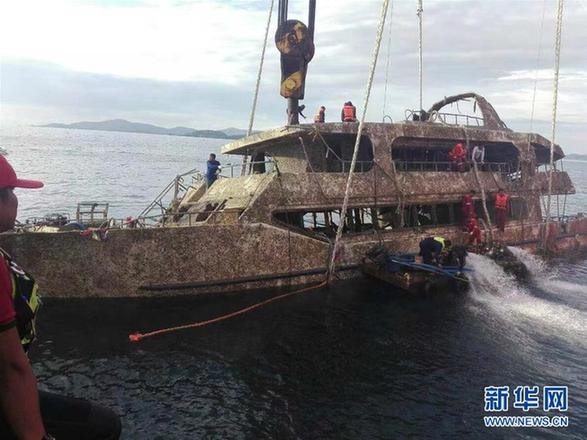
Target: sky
[{"x": 194, "y": 63}]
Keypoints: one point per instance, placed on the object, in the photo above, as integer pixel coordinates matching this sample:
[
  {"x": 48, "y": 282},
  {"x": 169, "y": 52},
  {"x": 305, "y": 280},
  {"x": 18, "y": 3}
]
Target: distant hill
[
  {"x": 575, "y": 156},
  {"x": 137, "y": 127}
]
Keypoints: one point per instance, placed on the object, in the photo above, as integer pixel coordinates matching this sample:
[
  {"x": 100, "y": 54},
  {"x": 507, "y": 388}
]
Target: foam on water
[{"x": 513, "y": 305}]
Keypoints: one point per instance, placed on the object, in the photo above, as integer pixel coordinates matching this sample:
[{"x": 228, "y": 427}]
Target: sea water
[{"x": 355, "y": 361}]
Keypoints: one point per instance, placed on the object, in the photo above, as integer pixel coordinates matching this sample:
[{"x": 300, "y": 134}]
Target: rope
[
  {"x": 388, "y": 61},
  {"x": 345, "y": 203},
  {"x": 482, "y": 189},
  {"x": 537, "y": 65},
  {"x": 559, "y": 25},
  {"x": 484, "y": 203},
  {"x": 136, "y": 337},
  {"x": 258, "y": 84},
  {"x": 419, "y": 13}
]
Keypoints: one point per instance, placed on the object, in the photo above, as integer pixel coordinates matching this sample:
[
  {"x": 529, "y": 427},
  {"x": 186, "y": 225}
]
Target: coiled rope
[
  {"x": 136, "y": 337},
  {"x": 332, "y": 265},
  {"x": 559, "y": 26}
]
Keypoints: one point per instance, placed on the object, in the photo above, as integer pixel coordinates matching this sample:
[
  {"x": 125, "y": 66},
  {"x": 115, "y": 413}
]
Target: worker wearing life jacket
[
  {"x": 459, "y": 156},
  {"x": 501, "y": 207},
  {"x": 468, "y": 206},
  {"x": 474, "y": 231},
  {"x": 431, "y": 249},
  {"x": 349, "y": 112},
  {"x": 26, "y": 412}
]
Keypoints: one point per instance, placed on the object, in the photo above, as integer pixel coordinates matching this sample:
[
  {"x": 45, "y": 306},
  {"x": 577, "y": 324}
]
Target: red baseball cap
[{"x": 8, "y": 177}]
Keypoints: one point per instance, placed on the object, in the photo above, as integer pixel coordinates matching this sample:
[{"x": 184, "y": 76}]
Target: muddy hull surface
[{"x": 208, "y": 259}]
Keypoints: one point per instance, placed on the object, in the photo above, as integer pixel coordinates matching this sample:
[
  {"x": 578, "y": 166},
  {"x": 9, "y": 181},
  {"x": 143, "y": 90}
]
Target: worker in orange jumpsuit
[
  {"x": 501, "y": 209},
  {"x": 474, "y": 232},
  {"x": 468, "y": 207},
  {"x": 458, "y": 155}
]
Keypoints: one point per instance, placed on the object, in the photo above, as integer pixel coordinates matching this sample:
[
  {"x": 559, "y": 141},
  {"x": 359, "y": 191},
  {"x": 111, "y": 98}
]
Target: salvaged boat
[
  {"x": 274, "y": 224},
  {"x": 405, "y": 273}
]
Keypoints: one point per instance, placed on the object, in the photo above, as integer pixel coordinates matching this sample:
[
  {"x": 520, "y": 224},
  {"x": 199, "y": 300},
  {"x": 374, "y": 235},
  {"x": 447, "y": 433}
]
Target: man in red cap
[{"x": 25, "y": 412}]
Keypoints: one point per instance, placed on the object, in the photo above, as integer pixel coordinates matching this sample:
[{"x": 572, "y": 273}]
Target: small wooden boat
[{"x": 403, "y": 272}]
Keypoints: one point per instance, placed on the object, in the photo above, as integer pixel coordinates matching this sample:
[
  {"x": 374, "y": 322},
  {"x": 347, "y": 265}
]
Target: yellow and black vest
[
  {"x": 441, "y": 241},
  {"x": 26, "y": 300}
]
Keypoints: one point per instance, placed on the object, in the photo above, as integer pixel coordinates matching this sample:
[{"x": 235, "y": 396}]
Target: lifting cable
[
  {"x": 420, "y": 13},
  {"x": 537, "y": 65},
  {"x": 331, "y": 266},
  {"x": 259, "y": 74},
  {"x": 388, "y": 61},
  {"x": 489, "y": 226},
  {"x": 136, "y": 337},
  {"x": 559, "y": 25}
]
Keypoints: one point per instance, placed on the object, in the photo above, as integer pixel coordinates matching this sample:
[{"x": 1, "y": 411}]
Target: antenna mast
[{"x": 419, "y": 13}]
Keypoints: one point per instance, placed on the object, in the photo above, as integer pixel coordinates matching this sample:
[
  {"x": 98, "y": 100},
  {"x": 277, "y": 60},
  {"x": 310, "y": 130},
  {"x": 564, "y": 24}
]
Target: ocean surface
[{"x": 354, "y": 361}]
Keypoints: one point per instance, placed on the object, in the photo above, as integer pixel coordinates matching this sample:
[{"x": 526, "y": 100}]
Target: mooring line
[{"x": 136, "y": 337}]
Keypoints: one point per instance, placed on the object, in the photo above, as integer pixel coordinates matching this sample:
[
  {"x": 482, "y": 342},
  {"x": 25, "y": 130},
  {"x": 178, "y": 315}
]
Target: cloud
[{"x": 195, "y": 62}]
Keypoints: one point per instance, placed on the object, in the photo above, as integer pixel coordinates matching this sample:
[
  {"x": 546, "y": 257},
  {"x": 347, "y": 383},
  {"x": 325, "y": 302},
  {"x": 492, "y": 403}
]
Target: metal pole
[
  {"x": 420, "y": 13},
  {"x": 312, "y": 18}
]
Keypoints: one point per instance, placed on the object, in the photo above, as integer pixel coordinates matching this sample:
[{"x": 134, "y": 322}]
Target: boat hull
[{"x": 224, "y": 258}]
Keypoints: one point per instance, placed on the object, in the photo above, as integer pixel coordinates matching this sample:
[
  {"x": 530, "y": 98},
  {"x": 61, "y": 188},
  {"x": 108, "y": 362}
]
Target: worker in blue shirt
[{"x": 212, "y": 169}]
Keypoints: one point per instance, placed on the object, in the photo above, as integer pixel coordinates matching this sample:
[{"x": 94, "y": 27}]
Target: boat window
[
  {"x": 333, "y": 153},
  {"x": 518, "y": 208},
  {"x": 428, "y": 154},
  {"x": 543, "y": 154}
]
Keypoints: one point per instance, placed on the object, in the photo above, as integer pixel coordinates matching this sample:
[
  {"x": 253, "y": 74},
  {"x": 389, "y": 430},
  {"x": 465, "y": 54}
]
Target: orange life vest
[
  {"x": 501, "y": 201},
  {"x": 348, "y": 112}
]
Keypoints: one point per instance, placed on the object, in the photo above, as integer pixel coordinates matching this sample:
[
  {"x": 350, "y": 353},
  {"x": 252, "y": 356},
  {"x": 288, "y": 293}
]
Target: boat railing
[
  {"x": 235, "y": 170},
  {"x": 360, "y": 165},
  {"x": 411, "y": 165},
  {"x": 173, "y": 192},
  {"x": 457, "y": 119},
  {"x": 446, "y": 118}
]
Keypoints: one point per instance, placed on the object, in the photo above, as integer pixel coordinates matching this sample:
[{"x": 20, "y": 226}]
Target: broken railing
[{"x": 173, "y": 192}]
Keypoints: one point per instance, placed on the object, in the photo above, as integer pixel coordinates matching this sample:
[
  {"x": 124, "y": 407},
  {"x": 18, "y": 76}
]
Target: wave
[{"x": 517, "y": 307}]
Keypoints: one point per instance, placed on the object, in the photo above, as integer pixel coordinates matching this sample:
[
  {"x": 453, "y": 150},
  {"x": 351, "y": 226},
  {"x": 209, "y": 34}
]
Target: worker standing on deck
[
  {"x": 212, "y": 169},
  {"x": 349, "y": 112},
  {"x": 458, "y": 155},
  {"x": 501, "y": 208},
  {"x": 431, "y": 249},
  {"x": 26, "y": 412},
  {"x": 468, "y": 207},
  {"x": 320, "y": 117},
  {"x": 474, "y": 232},
  {"x": 478, "y": 154}
]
